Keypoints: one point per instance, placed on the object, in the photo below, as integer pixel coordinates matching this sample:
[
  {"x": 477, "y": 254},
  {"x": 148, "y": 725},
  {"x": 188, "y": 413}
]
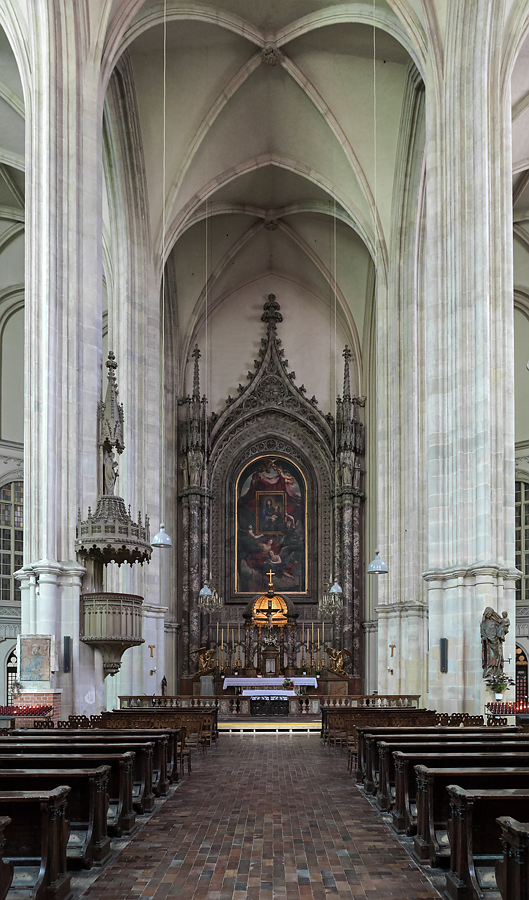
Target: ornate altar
[{"x": 278, "y": 486}]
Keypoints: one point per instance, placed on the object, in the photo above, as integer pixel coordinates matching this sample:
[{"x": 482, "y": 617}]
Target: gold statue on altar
[
  {"x": 336, "y": 659},
  {"x": 206, "y": 660}
]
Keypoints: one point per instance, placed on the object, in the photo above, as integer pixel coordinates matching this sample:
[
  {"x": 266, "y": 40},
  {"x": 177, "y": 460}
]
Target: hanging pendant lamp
[
  {"x": 162, "y": 539},
  {"x": 377, "y": 566}
]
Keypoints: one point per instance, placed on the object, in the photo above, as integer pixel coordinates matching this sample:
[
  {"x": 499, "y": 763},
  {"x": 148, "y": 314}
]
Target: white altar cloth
[{"x": 264, "y": 684}]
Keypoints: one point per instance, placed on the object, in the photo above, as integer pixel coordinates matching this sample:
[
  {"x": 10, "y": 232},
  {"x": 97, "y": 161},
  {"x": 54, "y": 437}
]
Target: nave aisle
[{"x": 263, "y": 817}]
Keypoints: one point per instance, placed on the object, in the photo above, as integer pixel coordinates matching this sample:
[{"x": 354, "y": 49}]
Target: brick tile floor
[{"x": 264, "y": 816}]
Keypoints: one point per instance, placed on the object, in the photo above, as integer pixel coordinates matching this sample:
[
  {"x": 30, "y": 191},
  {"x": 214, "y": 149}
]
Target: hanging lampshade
[
  {"x": 376, "y": 566},
  {"x": 161, "y": 540}
]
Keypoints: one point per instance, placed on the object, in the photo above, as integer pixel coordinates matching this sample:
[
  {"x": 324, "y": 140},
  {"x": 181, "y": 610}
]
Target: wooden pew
[
  {"x": 121, "y": 818},
  {"x": 360, "y": 716},
  {"x": 404, "y": 816},
  {"x": 159, "y": 742},
  {"x": 150, "y": 734},
  {"x": 475, "y": 839},
  {"x": 398, "y": 797},
  {"x": 6, "y": 866},
  {"x": 86, "y": 808},
  {"x": 160, "y": 718},
  {"x": 142, "y": 793},
  {"x": 431, "y": 843},
  {"x": 512, "y": 869},
  {"x": 364, "y": 763},
  {"x": 36, "y": 842},
  {"x": 381, "y": 764}
]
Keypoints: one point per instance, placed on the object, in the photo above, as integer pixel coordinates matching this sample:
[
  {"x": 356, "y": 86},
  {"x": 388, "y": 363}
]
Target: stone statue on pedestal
[{"x": 493, "y": 631}]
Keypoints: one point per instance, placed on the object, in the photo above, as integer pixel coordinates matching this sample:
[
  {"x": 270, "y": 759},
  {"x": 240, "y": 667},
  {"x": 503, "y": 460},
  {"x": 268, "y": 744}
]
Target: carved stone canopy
[{"x": 110, "y": 535}]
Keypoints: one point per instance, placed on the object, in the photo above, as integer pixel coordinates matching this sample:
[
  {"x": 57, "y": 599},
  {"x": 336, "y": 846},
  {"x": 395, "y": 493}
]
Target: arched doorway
[{"x": 11, "y": 675}]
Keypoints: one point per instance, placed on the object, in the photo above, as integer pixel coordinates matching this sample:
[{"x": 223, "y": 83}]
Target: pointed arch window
[
  {"x": 11, "y": 676},
  {"x": 11, "y": 539}
]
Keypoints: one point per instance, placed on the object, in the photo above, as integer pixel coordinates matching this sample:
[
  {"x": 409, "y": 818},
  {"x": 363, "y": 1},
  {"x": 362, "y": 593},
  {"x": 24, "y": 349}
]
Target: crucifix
[{"x": 270, "y": 574}]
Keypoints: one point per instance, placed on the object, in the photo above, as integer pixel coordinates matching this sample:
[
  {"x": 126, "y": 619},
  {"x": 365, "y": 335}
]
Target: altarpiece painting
[{"x": 271, "y": 525}]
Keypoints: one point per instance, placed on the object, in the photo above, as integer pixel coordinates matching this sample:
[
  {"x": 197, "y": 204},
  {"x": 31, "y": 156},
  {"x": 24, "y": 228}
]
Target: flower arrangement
[
  {"x": 288, "y": 684},
  {"x": 499, "y": 683}
]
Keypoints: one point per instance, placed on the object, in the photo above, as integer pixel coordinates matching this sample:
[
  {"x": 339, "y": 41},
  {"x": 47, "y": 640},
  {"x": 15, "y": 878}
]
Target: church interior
[{"x": 264, "y": 393}]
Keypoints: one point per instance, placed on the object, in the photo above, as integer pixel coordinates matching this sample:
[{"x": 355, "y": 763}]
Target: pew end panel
[
  {"x": 6, "y": 866},
  {"x": 36, "y": 841},
  {"x": 512, "y": 869}
]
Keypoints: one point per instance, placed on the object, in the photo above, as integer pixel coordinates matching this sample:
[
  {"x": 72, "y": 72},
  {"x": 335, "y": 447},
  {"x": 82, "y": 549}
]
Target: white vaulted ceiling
[{"x": 275, "y": 148}]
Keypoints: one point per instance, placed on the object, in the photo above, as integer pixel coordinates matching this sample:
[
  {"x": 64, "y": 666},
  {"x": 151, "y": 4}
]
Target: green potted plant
[{"x": 499, "y": 684}]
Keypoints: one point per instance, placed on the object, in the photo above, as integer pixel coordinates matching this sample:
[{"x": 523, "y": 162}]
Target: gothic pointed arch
[{"x": 272, "y": 419}]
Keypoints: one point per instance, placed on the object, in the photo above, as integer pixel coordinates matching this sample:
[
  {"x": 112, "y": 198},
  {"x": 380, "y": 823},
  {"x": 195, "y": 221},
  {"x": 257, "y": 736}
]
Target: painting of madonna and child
[{"x": 271, "y": 526}]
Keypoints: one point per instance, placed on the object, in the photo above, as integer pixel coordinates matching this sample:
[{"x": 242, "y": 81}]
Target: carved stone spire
[
  {"x": 109, "y": 534},
  {"x": 344, "y": 409},
  {"x": 196, "y": 373},
  {"x": 271, "y": 314},
  {"x": 110, "y": 412},
  {"x": 194, "y": 434},
  {"x": 346, "y": 375}
]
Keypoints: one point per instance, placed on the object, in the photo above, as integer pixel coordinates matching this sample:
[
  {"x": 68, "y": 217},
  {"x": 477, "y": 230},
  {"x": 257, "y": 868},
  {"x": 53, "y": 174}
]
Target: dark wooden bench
[
  {"x": 512, "y": 869},
  {"x": 364, "y": 763},
  {"x": 158, "y": 740},
  {"x": 86, "y": 809},
  {"x": 390, "y": 716},
  {"x": 142, "y": 792},
  {"x": 398, "y": 797},
  {"x": 6, "y": 866},
  {"x": 431, "y": 843},
  {"x": 121, "y": 818},
  {"x": 115, "y": 734},
  {"x": 405, "y": 812},
  {"x": 475, "y": 839},
  {"x": 380, "y": 762},
  {"x": 158, "y": 718},
  {"x": 35, "y": 842}
]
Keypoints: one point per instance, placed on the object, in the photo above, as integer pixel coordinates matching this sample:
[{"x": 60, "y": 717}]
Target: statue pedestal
[{"x": 207, "y": 686}]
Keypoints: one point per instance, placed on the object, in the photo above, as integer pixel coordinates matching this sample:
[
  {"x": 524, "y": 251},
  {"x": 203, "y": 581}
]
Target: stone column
[
  {"x": 185, "y": 586},
  {"x": 469, "y": 358},
  {"x": 195, "y": 541},
  {"x": 63, "y": 314}
]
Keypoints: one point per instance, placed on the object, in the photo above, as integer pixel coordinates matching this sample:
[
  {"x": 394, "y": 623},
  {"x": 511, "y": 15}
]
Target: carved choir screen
[{"x": 271, "y": 526}]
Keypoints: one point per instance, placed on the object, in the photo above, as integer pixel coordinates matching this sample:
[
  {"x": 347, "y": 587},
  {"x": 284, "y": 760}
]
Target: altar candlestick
[
  {"x": 217, "y": 645},
  {"x": 239, "y": 635}
]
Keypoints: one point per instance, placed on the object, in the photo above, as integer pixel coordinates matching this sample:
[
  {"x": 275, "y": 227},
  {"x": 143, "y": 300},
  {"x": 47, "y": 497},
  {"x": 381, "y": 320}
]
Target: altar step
[{"x": 271, "y": 726}]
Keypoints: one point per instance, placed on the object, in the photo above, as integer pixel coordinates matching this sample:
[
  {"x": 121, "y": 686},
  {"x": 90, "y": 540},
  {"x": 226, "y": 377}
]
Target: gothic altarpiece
[{"x": 270, "y": 485}]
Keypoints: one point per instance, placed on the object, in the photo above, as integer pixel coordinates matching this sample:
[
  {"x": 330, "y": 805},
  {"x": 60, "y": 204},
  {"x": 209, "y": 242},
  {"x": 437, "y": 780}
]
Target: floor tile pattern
[{"x": 262, "y": 817}]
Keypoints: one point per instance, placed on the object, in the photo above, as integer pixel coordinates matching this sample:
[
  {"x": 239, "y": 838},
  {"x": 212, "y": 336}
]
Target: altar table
[{"x": 265, "y": 684}]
